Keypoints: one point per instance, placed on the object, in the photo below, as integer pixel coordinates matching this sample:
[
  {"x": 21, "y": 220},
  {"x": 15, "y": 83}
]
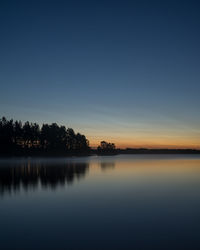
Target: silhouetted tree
[
  {"x": 6, "y": 135},
  {"x": 18, "y": 137},
  {"x": 106, "y": 148},
  {"x": 27, "y": 135},
  {"x": 71, "y": 139}
]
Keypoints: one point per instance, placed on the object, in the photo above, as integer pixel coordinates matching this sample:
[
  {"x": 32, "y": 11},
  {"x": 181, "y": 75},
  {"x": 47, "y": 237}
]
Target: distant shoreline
[
  {"x": 94, "y": 152},
  {"x": 158, "y": 151}
]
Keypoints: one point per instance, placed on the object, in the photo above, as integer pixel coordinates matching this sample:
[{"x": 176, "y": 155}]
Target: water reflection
[
  {"x": 107, "y": 165},
  {"x": 30, "y": 174},
  {"x": 139, "y": 202}
]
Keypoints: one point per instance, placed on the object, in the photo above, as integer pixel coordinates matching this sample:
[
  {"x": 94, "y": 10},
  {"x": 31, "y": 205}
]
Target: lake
[{"x": 100, "y": 202}]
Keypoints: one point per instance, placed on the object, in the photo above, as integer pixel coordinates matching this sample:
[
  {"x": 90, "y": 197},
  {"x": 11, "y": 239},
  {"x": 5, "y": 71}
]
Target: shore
[{"x": 102, "y": 153}]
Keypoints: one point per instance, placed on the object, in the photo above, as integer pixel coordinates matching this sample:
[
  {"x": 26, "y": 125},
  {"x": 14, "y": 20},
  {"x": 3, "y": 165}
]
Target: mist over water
[{"x": 108, "y": 202}]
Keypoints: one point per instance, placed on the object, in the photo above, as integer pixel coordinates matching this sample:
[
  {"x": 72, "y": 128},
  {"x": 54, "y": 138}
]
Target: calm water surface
[{"x": 118, "y": 202}]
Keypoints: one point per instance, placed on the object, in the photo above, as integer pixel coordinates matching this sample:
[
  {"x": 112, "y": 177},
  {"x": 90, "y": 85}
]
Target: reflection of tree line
[
  {"x": 29, "y": 175},
  {"x": 107, "y": 165}
]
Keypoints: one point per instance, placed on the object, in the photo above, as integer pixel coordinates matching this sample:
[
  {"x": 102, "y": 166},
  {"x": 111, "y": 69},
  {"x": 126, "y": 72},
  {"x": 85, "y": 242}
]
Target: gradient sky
[{"x": 123, "y": 71}]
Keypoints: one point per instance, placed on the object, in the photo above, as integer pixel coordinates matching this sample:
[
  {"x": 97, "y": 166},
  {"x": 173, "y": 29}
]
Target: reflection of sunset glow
[{"x": 151, "y": 166}]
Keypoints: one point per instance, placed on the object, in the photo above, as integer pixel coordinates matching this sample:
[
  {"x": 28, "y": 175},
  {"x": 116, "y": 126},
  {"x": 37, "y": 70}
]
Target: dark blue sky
[{"x": 126, "y": 71}]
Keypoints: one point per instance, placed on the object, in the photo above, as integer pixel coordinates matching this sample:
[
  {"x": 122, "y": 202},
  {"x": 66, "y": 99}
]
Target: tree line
[{"x": 17, "y": 138}]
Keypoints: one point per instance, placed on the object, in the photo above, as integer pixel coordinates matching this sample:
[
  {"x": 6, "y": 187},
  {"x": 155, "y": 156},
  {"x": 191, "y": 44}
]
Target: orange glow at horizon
[
  {"x": 170, "y": 135},
  {"x": 148, "y": 143}
]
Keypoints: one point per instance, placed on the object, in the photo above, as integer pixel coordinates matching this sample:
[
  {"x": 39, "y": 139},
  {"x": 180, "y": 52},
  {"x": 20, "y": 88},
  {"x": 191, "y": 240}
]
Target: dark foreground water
[{"x": 118, "y": 202}]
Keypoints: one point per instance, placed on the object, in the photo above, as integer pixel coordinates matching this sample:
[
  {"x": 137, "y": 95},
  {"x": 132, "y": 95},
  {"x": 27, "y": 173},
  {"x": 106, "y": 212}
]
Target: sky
[{"x": 127, "y": 72}]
